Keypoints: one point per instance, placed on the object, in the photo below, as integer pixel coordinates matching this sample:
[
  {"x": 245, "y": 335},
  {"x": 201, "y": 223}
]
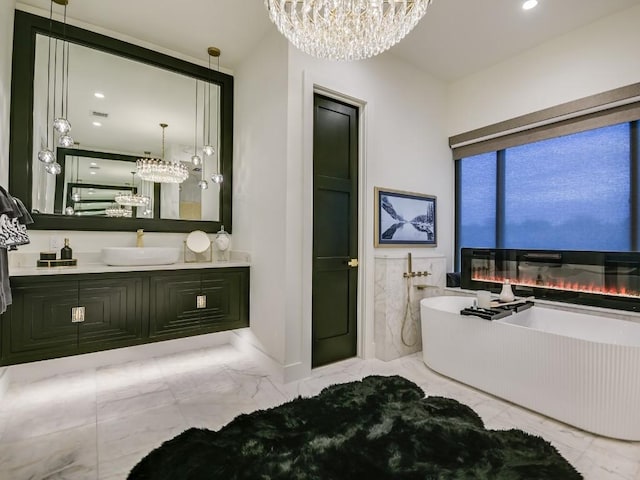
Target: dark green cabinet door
[
  {"x": 113, "y": 312},
  {"x": 39, "y": 321},
  {"x": 198, "y": 302},
  {"x": 227, "y": 298},
  {"x": 173, "y": 311}
]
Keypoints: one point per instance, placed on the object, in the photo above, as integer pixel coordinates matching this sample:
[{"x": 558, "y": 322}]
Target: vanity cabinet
[
  {"x": 68, "y": 314},
  {"x": 209, "y": 301},
  {"x": 57, "y": 316}
]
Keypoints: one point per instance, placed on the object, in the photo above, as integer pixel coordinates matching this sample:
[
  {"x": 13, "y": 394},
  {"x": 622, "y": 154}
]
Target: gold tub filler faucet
[{"x": 411, "y": 273}]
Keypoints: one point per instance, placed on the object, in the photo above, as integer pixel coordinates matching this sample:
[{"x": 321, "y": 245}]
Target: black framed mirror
[
  {"x": 90, "y": 182},
  {"x": 165, "y": 94}
]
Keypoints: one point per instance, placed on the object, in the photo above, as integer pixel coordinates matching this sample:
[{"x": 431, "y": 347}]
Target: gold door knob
[{"x": 353, "y": 262}]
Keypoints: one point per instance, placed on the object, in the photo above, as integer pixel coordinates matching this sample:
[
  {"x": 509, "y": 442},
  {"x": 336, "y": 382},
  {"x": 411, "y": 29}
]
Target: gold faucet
[{"x": 140, "y": 238}]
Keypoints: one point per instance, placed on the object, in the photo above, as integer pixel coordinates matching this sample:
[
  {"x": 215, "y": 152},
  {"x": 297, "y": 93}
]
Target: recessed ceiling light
[
  {"x": 92, "y": 173},
  {"x": 97, "y": 124},
  {"x": 94, "y": 164},
  {"x": 529, "y": 4},
  {"x": 98, "y": 95}
]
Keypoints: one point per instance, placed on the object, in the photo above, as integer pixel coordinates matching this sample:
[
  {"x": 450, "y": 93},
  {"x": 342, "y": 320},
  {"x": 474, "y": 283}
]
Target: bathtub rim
[
  {"x": 569, "y": 307},
  {"x": 507, "y": 323}
]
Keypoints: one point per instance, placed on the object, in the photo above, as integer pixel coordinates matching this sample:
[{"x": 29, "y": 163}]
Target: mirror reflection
[{"x": 115, "y": 106}]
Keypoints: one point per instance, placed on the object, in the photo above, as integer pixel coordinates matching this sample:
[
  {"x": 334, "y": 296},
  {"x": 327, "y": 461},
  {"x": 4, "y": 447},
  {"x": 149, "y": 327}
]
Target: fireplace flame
[{"x": 561, "y": 285}]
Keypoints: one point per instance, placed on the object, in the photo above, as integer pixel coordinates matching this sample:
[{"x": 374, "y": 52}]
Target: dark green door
[{"x": 335, "y": 230}]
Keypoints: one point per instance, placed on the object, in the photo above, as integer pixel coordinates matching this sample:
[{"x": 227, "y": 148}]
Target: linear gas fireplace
[{"x": 602, "y": 279}]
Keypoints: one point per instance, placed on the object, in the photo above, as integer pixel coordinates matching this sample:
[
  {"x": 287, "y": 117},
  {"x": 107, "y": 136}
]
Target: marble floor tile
[
  {"x": 67, "y": 454},
  {"x": 213, "y": 410},
  {"x": 66, "y": 387},
  {"x": 185, "y": 362},
  {"x": 138, "y": 434},
  {"x": 98, "y": 424},
  {"x": 122, "y": 376},
  {"x": 630, "y": 450},
  {"x": 596, "y": 463},
  {"x": 130, "y": 405},
  {"x": 199, "y": 382},
  {"x": 118, "y": 468},
  {"x": 57, "y": 415},
  {"x": 258, "y": 387}
]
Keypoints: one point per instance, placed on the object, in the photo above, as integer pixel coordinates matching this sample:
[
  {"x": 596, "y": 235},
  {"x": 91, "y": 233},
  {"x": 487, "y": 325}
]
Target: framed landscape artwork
[{"x": 404, "y": 219}]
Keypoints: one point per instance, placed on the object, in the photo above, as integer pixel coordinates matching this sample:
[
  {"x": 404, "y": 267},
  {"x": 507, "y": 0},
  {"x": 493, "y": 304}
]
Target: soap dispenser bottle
[
  {"x": 506, "y": 294},
  {"x": 66, "y": 253}
]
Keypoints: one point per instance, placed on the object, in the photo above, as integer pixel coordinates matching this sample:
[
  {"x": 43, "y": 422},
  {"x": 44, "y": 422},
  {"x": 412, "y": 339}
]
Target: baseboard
[
  {"x": 296, "y": 371},
  {"x": 243, "y": 341},
  {"x": 30, "y": 372}
]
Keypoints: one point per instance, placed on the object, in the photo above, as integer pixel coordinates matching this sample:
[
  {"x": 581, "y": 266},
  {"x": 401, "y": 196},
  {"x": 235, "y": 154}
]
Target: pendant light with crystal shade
[
  {"x": 217, "y": 176},
  {"x": 209, "y": 149},
  {"x": 345, "y": 29},
  {"x": 160, "y": 170},
  {"x": 203, "y": 184},
  {"x": 75, "y": 196},
  {"x": 61, "y": 123},
  {"x": 195, "y": 159}
]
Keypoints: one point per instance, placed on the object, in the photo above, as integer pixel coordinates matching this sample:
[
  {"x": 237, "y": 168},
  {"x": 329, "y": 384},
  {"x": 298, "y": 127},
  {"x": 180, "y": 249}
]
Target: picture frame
[{"x": 404, "y": 219}]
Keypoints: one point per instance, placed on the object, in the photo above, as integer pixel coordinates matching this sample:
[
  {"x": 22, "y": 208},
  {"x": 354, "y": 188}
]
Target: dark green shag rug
[{"x": 375, "y": 429}]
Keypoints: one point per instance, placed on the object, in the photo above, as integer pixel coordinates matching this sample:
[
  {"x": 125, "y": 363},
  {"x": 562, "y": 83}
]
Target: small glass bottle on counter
[{"x": 66, "y": 253}]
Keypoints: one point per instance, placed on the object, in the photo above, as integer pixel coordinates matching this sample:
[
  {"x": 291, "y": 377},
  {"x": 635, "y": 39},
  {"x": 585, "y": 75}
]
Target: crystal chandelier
[
  {"x": 160, "y": 170},
  {"x": 131, "y": 199},
  {"x": 345, "y": 29},
  {"x": 118, "y": 212}
]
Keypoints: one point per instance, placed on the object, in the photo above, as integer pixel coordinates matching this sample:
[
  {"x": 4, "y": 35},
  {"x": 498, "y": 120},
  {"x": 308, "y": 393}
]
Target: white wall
[
  {"x": 593, "y": 59},
  {"x": 6, "y": 45},
  {"x": 259, "y": 194}
]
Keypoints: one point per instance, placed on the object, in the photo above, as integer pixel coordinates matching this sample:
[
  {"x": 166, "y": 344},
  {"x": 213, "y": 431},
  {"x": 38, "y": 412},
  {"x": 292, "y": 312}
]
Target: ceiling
[{"x": 454, "y": 39}]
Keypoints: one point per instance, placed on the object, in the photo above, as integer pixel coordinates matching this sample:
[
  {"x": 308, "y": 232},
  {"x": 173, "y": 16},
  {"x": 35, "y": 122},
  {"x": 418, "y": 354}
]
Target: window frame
[{"x": 621, "y": 105}]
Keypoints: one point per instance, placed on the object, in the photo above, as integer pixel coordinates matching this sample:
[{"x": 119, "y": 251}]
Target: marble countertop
[{"x": 23, "y": 271}]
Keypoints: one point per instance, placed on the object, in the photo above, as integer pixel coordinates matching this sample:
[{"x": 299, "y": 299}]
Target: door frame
[{"x": 311, "y": 86}]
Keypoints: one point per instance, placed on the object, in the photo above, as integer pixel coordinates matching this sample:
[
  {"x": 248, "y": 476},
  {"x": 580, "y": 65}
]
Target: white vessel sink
[{"x": 140, "y": 255}]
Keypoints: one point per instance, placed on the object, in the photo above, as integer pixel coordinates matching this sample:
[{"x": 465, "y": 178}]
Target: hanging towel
[
  {"x": 5, "y": 285},
  {"x": 13, "y": 220},
  {"x": 13, "y": 232}
]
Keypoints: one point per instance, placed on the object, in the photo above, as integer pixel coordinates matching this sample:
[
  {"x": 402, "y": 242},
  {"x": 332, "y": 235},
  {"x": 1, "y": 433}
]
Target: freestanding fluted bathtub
[{"x": 578, "y": 368}]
